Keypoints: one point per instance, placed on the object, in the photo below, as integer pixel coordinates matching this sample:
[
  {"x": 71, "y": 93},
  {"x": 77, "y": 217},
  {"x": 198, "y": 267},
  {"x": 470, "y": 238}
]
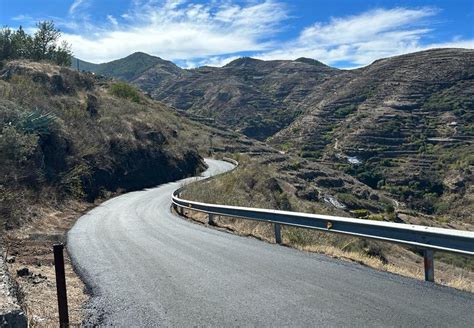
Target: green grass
[{"x": 125, "y": 90}]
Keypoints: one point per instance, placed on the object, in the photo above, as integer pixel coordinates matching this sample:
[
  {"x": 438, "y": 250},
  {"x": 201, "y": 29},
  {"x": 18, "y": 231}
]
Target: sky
[{"x": 192, "y": 33}]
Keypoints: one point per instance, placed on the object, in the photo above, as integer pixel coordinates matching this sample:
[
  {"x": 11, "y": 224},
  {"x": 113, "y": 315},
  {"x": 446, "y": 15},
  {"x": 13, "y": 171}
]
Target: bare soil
[{"x": 31, "y": 245}]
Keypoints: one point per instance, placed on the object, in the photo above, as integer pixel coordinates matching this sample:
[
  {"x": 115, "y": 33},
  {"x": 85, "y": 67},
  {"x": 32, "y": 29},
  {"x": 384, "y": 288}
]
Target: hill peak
[
  {"x": 140, "y": 54},
  {"x": 310, "y": 61},
  {"x": 244, "y": 61}
]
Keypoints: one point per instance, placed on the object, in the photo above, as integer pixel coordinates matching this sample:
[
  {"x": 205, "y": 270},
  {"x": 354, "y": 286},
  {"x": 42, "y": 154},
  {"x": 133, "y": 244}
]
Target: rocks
[
  {"x": 13, "y": 319},
  {"x": 37, "y": 278},
  {"x": 10, "y": 313},
  {"x": 23, "y": 272},
  {"x": 57, "y": 84}
]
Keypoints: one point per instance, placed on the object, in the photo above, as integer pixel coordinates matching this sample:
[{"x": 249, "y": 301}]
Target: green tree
[
  {"x": 45, "y": 40},
  {"x": 22, "y": 44},
  {"x": 5, "y": 43},
  {"x": 42, "y": 46},
  {"x": 63, "y": 54}
]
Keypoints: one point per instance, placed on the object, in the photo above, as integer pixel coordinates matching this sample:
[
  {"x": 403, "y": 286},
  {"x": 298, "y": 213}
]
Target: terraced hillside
[
  {"x": 403, "y": 124},
  {"x": 255, "y": 97}
]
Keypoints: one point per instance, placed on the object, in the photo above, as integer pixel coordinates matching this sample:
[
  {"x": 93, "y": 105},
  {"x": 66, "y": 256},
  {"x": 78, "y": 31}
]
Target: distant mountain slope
[
  {"x": 403, "y": 124},
  {"x": 257, "y": 97},
  {"x": 128, "y": 68},
  {"x": 254, "y": 96},
  {"x": 81, "y": 65},
  {"x": 408, "y": 120}
]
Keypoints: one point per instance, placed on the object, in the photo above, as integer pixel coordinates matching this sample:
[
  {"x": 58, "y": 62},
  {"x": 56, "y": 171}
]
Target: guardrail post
[
  {"x": 429, "y": 265},
  {"x": 277, "y": 233},
  {"x": 211, "y": 220},
  {"x": 61, "y": 285}
]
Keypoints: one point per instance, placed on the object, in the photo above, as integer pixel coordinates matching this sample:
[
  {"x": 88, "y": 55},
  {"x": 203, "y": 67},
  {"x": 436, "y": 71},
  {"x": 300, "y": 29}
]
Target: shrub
[
  {"x": 389, "y": 208},
  {"x": 344, "y": 111},
  {"x": 124, "y": 90},
  {"x": 36, "y": 122},
  {"x": 15, "y": 146},
  {"x": 376, "y": 217},
  {"x": 360, "y": 213}
]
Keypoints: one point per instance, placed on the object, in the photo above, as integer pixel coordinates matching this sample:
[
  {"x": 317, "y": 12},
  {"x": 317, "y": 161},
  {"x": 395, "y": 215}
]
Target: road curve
[{"x": 147, "y": 268}]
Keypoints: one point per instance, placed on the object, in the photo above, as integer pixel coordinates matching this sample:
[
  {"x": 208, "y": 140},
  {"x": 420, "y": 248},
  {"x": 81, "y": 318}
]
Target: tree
[
  {"x": 22, "y": 44},
  {"x": 45, "y": 40},
  {"x": 42, "y": 46},
  {"x": 63, "y": 54},
  {"x": 5, "y": 43}
]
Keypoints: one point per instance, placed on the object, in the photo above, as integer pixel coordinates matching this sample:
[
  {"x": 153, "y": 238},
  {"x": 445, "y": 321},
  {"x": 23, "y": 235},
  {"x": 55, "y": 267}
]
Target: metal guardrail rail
[{"x": 427, "y": 238}]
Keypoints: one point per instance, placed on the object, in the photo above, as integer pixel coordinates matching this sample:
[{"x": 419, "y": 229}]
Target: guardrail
[{"x": 427, "y": 238}]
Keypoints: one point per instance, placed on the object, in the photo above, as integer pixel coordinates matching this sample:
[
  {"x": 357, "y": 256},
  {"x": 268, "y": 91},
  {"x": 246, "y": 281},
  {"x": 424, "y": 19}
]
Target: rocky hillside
[
  {"x": 68, "y": 135},
  {"x": 258, "y": 98},
  {"x": 255, "y": 97},
  {"x": 403, "y": 124}
]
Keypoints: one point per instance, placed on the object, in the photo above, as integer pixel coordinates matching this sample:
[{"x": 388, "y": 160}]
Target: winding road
[{"x": 147, "y": 267}]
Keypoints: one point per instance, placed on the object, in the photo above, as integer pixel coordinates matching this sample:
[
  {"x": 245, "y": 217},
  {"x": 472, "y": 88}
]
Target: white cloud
[
  {"x": 182, "y": 30},
  {"x": 361, "y": 39},
  {"x": 213, "y": 34},
  {"x": 112, "y": 20},
  {"x": 215, "y": 61},
  {"x": 22, "y": 18},
  {"x": 75, "y": 5}
]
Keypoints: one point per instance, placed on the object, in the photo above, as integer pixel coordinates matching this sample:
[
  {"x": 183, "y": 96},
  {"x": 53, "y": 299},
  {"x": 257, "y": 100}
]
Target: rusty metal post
[
  {"x": 61, "y": 285},
  {"x": 429, "y": 265},
  {"x": 277, "y": 233},
  {"x": 211, "y": 220}
]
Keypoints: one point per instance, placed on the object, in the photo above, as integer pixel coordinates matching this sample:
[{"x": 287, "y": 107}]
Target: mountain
[
  {"x": 130, "y": 68},
  {"x": 256, "y": 97},
  {"x": 403, "y": 124}
]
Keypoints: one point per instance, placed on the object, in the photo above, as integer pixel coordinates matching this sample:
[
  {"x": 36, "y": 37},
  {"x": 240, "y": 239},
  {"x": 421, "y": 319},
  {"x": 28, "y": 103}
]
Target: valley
[
  {"x": 391, "y": 141},
  {"x": 401, "y": 125}
]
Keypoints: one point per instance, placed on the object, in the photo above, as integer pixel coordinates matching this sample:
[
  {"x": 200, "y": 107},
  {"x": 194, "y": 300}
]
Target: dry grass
[
  {"x": 40, "y": 302},
  {"x": 32, "y": 247}
]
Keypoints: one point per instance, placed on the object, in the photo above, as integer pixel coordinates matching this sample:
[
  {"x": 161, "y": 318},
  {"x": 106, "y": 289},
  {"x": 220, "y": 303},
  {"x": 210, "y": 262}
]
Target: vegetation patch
[
  {"x": 42, "y": 45},
  {"x": 126, "y": 91},
  {"x": 345, "y": 111}
]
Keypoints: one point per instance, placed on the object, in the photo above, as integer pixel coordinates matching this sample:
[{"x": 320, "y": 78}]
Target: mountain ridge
[{"x": 406, "y": 113}]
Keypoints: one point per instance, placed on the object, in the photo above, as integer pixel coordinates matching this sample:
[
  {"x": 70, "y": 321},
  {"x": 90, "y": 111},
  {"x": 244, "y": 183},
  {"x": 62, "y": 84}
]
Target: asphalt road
[{"x": 147, "y": 268}]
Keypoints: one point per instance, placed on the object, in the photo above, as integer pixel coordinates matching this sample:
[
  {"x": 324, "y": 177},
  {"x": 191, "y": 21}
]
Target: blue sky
[{"x": 341, "y": 33}]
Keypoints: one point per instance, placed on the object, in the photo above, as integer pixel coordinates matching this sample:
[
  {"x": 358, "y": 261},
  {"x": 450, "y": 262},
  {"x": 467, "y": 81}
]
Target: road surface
[{"x": 147, "y": 268}]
